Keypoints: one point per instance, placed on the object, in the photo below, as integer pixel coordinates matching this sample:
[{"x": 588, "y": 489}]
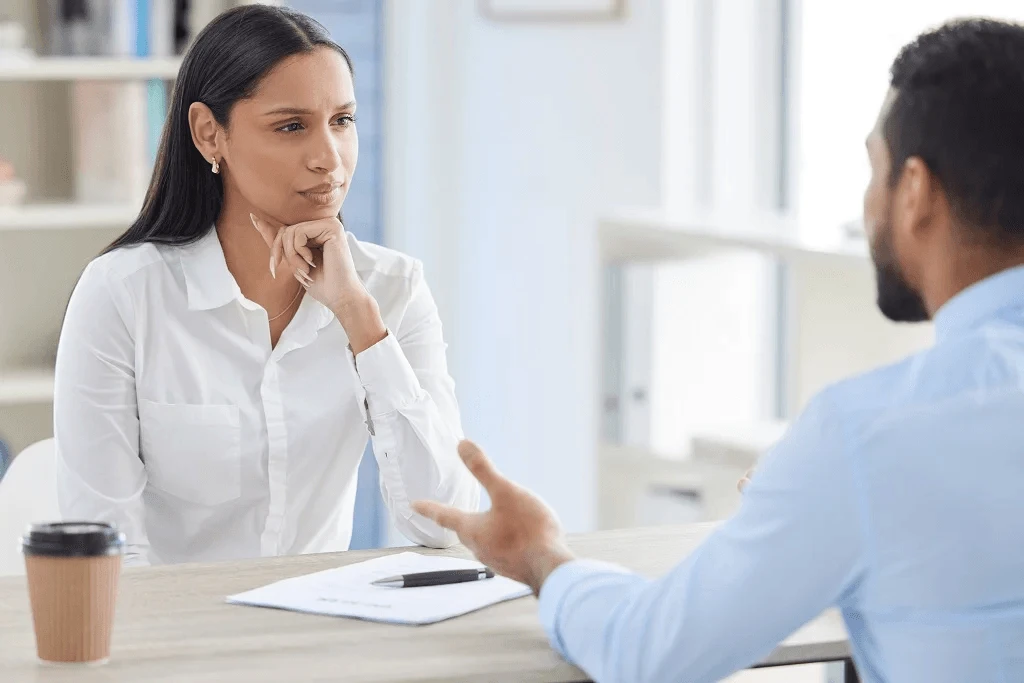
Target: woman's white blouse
[{"x": 175, "y": 419}]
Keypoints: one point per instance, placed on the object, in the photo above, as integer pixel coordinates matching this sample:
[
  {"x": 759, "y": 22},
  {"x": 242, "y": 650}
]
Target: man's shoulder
[
  {"x": 989, "y": 361},
  {"x": 880, "y": 391}
]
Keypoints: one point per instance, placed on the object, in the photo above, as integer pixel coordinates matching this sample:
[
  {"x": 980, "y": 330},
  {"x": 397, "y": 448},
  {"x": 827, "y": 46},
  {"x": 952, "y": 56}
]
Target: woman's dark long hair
[{"x": 225, "y": 64}]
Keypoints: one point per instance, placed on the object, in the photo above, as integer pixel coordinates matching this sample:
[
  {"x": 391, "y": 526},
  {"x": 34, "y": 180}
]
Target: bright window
[{"x": 844, "y": 51}]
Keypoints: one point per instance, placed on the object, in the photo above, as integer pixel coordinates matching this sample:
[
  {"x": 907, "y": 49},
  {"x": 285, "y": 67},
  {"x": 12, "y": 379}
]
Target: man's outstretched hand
[{"x": 519, "y": 537}]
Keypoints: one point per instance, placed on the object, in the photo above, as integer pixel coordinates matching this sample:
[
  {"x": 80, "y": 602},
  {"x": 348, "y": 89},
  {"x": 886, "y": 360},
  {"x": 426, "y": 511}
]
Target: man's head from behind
[{"x": 945, "y": 205}]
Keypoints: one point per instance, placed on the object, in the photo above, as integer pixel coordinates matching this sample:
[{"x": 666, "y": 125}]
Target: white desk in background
[{"x": 832, "y": 329}]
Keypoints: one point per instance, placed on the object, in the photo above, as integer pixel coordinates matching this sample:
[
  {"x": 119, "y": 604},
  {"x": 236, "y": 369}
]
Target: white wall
[{"x": 505, "y": 142}]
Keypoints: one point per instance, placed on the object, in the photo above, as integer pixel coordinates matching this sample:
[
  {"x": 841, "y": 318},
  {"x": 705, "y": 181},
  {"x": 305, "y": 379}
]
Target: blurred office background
[{"x": 639, "y": 218}]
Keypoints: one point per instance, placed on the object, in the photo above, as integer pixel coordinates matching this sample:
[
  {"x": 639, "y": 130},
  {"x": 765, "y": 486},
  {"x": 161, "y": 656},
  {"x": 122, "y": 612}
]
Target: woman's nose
[{"x": 326, "y": 156}]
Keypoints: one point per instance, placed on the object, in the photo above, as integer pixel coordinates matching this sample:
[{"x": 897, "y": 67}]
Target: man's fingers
[
  {"x": 744, "y": 480},
  {"x": 448, "y": 517},
  {"x": 479, "y": 465}
]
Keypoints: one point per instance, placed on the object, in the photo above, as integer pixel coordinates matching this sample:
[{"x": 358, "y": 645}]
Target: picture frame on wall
[{"x": 540, "y": 11}]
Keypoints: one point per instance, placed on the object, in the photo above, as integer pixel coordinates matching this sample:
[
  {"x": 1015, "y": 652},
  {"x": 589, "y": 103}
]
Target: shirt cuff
[
  {"x": 556, "y": 589},
  {"x": 387, "y": 378}
]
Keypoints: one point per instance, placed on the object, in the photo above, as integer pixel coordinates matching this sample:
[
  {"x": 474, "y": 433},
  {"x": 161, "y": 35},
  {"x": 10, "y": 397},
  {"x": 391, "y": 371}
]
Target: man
[{"x": 896, "y": 495}]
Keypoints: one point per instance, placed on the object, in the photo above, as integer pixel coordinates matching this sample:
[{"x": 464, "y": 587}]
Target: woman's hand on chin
[{"x": 316, "y": 253}]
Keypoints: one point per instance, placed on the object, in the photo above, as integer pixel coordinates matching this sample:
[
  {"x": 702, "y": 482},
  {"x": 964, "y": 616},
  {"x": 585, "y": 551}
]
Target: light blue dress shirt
[{"x": 897, "y": 496}]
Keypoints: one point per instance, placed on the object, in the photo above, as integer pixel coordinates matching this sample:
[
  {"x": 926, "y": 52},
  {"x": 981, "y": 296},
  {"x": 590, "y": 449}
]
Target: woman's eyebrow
[{"x": 298, "y": 111}]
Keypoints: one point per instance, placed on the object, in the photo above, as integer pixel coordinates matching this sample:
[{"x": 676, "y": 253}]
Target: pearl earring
[{"x": 215, "y": 165}]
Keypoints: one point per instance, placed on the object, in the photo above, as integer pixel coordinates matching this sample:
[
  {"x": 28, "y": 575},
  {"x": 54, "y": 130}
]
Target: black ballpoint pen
[{"x": 435, "y": 578}]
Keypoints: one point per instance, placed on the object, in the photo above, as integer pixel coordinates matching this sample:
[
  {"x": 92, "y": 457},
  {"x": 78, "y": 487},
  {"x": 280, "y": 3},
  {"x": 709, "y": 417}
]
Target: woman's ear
[{"x": 205, "y": 132}]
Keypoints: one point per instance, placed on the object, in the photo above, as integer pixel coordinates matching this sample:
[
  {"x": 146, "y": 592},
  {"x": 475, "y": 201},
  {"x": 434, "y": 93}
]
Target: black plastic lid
[{"x": 73, "y": 539}]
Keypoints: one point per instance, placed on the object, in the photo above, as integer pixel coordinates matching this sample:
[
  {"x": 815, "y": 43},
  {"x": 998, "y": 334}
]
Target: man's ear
[
  {"x": 206, "y": 132},
  {"x": 919, "y": 193},
  {"x": 916, "y": 195}
]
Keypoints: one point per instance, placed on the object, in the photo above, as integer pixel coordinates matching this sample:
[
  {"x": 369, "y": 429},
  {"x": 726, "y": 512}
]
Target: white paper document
[{"x": 348, "y": 591}]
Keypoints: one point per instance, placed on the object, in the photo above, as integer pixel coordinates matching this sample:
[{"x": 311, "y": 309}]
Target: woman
[{"x": 222, "y": 364}]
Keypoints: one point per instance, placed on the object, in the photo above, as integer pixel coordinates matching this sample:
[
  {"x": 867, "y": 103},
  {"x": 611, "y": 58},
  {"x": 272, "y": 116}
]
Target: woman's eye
[
  {"x": 346, "y": 120},
  {"x": 291, "y": 127}
]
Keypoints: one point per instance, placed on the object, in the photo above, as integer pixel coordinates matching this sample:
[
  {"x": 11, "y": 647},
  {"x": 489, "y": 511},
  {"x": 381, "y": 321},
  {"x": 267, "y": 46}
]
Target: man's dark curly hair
[{"x": 959, "y": 106}]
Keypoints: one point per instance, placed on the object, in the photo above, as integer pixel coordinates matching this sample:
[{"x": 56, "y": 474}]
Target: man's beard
[{"x": 897, "y": 299}]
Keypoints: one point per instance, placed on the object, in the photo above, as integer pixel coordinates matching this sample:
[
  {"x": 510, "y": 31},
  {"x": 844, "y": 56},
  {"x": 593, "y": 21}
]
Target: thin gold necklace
[{"x": 288, "y": 307}]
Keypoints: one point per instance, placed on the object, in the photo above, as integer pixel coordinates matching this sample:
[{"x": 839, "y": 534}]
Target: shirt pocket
[{"x": 192, "y": 451}]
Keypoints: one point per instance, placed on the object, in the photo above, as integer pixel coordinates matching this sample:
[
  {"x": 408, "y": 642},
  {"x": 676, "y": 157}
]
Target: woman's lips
[{"x": 324, "y": 197}]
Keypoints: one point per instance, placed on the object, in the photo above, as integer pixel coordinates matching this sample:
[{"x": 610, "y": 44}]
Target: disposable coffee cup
[{"x": 73, "y": 569}]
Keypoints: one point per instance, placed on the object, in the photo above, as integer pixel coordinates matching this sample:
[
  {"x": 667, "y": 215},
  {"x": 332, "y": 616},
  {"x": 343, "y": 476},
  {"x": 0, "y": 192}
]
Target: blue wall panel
[{"x": 357, "y": 25}]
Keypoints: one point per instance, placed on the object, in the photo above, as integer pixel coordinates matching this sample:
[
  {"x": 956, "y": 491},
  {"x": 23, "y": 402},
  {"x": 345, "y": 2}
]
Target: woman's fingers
[
  {"x": 273, "y": 237},
  {"x": 288, "y": 244},
  {"x": 317, "y": 232},
  {"x": 266, "y": 231},
  {"x": 302, "y": 247},
  {"x": 295, "y": 262},
  {"x": 294, "y": 244},
  {"x": 276, "y": 252}
]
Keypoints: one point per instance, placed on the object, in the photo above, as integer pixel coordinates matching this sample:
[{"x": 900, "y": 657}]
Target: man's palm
[{"x": 519, "y": 537}]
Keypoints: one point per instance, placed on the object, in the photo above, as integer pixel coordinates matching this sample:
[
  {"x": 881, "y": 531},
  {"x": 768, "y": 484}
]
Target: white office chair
[{"x": 28, "y": 494}]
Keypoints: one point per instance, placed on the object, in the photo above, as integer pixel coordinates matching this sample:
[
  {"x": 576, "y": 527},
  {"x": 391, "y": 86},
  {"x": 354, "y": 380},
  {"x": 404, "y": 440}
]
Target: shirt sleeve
[
  {"x": 100, "y": 476},
  {"x": 414, "y": 422},
  {"x": 793, "y": 549}
]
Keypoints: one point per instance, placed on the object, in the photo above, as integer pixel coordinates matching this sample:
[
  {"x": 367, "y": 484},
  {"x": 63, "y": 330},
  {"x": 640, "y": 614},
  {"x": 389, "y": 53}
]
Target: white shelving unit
[
  {"x": 66, "y": 216},
  {"x": 47, "y": 241},
  {"x": 87, "y": 68},
  {"x": 26, "y": 387},
  {"x": 833, "y": 330}
]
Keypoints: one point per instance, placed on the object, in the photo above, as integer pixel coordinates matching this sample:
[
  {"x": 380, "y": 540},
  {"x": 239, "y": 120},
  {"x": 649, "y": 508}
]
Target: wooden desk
[{"x": 173, "y": 625}]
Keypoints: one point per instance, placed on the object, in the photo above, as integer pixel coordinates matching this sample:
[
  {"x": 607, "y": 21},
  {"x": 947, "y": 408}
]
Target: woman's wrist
[{"x": 360, "y": 318}]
